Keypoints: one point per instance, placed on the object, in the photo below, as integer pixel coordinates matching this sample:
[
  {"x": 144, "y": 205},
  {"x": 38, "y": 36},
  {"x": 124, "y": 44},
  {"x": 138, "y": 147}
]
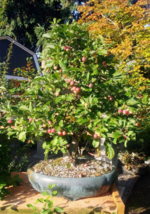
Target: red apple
[
  {"x": 95, "y": 136},
  {"x": 125, "y": 137},
  {"x": 53, "y": 130},
  {"x": 83, "y": 59},
  {"x": 69, "y": 80},
  {"x": 108, "y": 53},
  {"x": 30, "y": 119},
  {"x": 126, "y": 112},
  {"x": 49, "y": 131},
  {"x": 50, "y": 122},
  {"x": 110, "y": 98},
  {"x": 9, "y": 121},
  {"x": 64, "y": 133},
  {"x": 57, "y": 94},
  {"x": 78, "y": 89},
  {"x": 90, "y": 85},
  {"x": 60, "y": 133},
  {"x": 29, "y": 141},
  {"x": 72, "y": 83},
  {"x": 120, "y": 111},
  {"x": 65, "y": 48},
  {"x": 68, "y": 48}
]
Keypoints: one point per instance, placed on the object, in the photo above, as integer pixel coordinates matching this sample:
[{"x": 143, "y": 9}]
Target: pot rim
[{"x": 30, "y": 167}]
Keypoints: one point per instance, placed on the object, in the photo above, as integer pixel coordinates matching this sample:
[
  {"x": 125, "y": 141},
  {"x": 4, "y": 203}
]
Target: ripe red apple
[
  {"x": 104, "y": 64},
  {"x": 72, "y": 83},
  {"x": 29, "y": 141},
  {"x": 90, "y": 85},
  {"x": 95, "y": 136},
  {"x": 108, "y": 53},
  {"x": 9, "y": 121},
  {"x": 50, "y": 122},
  {"x": 83, "y": 59},
  {"x": 53, "y": 130},
  {"x": 126, "y": 112},
  {"x": 64, "y": 133},
  {"x": 65, "y": 48},
  {"x": 30, "y": 119},
  {"x": 60, "y": 133},
  {"x": 110, "y": 98},
  {"x": 68, "y": 48},
  {"x": 69, "y": 80},
  {"x": 120, "y": 111},
  {"x": 124, "y": 137},
  {"x": 49, "y": 131},
  {"x": 78, "y": 89},
  {"x": 57, "y": 94}
]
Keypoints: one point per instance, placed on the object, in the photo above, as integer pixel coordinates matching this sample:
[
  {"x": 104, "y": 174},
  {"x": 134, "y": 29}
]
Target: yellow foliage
[{"x": 123, "y": 27}]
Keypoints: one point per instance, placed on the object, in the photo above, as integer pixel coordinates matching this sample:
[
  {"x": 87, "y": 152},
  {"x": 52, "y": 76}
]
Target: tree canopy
[
  {"x": 123, "y": 27},
  {"x": 18, "y": 19}
]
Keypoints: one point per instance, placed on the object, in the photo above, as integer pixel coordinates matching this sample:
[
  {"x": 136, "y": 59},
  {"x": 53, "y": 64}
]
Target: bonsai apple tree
[{"x": 78, "y": 97}]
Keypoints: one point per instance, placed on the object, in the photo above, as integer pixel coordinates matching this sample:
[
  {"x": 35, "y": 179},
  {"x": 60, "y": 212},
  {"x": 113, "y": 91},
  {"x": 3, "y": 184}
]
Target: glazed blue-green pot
[{"x": 72, "y": 188}]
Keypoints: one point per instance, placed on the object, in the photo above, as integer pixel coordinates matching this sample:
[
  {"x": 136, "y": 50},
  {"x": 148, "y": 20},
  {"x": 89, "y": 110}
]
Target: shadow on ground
[{"x": 139, "y": 200}]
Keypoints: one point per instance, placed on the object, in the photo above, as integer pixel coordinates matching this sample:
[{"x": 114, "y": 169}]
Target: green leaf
[
  {"x": 24, "y": 108},
  {"x": 31, "y": 206},
  {"x": 44, "y": 193},
  {"x": 132, "y": 101},
  {"x": 116, "y": 135},
  {"x": 96, "y": 143},
  {"x": 110, "y": 151},
  {"x": 61, "y": 124},
  {"x": 62, "y": 65},
  {"x": 22, "y": 136},
  {"x": 58, "y": 210},
  {"x": 54, "y": 193},
  {"x": 50, "y": 45},
  {"x": 49, "y": 65},
  {"x": 50, "y": 204},
  {"x": 47, "y": 35}
]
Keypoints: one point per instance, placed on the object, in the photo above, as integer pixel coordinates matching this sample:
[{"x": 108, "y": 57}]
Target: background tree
[
  {"x": 18, "y": 19},
  {"x": 123, "y": 27}
]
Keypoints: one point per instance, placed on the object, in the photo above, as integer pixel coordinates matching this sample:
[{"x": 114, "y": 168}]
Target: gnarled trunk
[{"x": 74, "y": 146}]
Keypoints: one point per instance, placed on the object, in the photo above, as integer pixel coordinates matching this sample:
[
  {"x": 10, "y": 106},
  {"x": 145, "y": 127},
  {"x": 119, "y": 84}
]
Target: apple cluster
[
  {"x": 104, "y": 64},
  {"x": 67, "y": 48},
  {"x": 125, "y": 112}
]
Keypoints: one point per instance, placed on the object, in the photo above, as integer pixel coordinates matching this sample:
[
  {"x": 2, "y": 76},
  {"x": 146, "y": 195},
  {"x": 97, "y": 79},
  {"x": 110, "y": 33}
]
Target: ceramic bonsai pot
[{"x": 72, "y": 188}]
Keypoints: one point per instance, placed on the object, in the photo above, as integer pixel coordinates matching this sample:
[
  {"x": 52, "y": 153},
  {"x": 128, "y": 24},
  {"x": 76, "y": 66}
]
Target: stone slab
[{"x": 24, "y": 194}]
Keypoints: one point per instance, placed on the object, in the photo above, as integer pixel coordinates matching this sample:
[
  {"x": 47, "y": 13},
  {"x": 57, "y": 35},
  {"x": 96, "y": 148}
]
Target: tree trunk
[{"x": 74, "y": 147}]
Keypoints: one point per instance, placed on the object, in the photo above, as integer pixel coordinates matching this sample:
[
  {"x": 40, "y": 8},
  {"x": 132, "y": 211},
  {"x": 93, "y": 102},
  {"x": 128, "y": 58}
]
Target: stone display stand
[{"x": 20, "y": 196}]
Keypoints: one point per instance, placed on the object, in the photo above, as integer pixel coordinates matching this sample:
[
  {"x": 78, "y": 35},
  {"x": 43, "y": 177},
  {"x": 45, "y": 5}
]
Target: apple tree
[{"x": 79, "y": 96}]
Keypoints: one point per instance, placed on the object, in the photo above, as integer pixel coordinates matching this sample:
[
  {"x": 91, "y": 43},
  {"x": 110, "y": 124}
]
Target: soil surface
[
  {"x": 139, "y": 200},
  {"x": 68, "y": 168}
]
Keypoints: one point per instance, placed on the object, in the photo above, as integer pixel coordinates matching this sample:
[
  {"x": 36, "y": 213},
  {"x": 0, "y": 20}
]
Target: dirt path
[{"x": 139, "y": 200}]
